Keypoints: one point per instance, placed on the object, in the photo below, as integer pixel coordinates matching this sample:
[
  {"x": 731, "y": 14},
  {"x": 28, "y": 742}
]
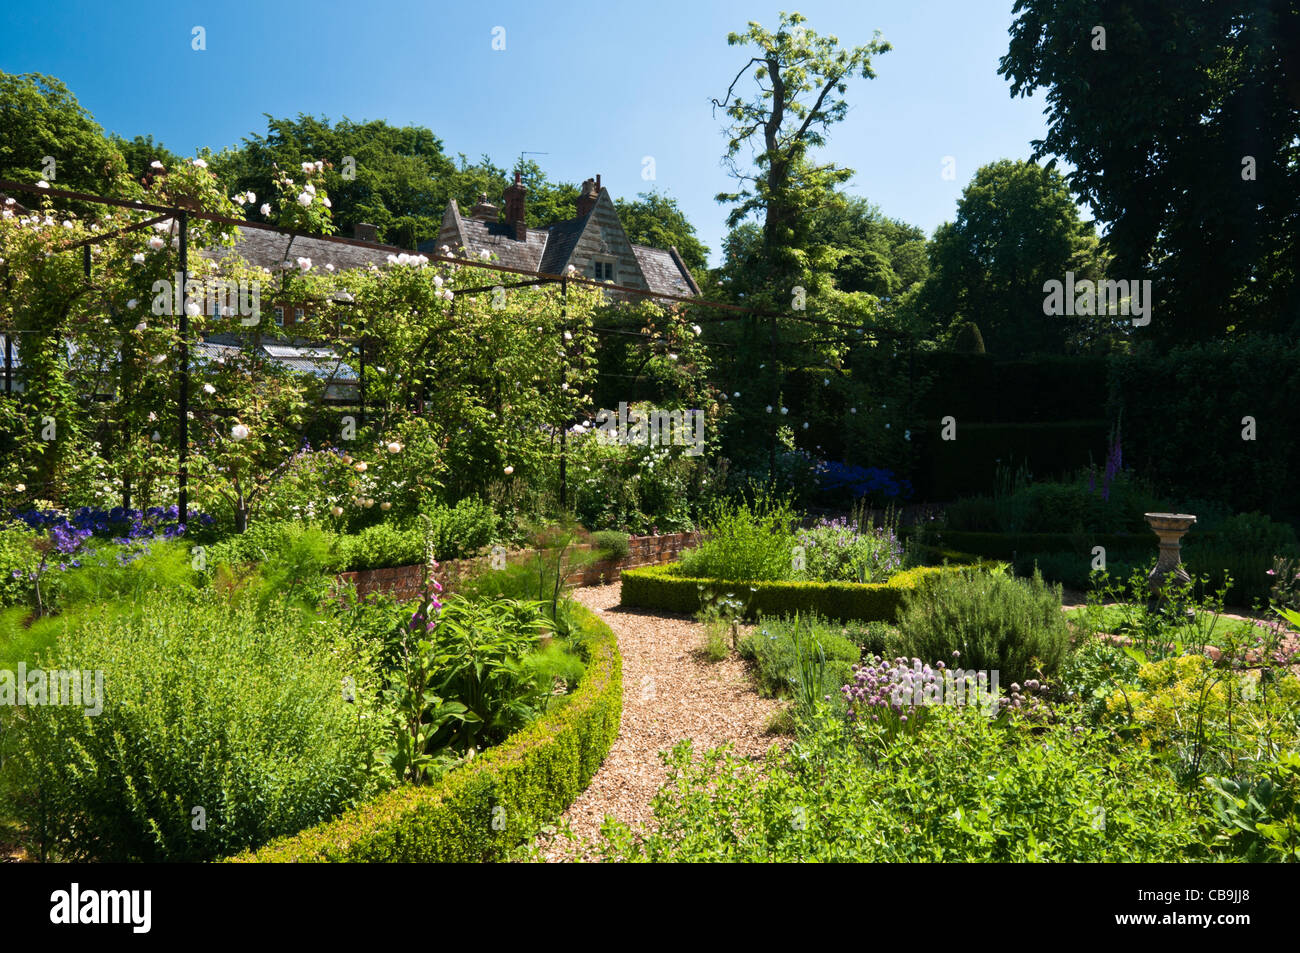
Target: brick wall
[{"x": 404, "y": 582}]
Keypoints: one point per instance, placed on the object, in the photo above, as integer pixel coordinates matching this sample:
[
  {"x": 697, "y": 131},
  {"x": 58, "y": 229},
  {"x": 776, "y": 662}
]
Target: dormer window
[{"x": 604, "y": 270}]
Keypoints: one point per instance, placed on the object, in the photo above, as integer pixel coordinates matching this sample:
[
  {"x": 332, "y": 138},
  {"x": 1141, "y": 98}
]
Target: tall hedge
[
  {"x": 1182, "y": 413},
  {"x": 481, "y": 810}
]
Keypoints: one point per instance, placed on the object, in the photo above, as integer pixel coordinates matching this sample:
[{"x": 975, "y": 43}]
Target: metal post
[
  {"x": 183, "y": 403},
  {"x": 564, "y": 425}
]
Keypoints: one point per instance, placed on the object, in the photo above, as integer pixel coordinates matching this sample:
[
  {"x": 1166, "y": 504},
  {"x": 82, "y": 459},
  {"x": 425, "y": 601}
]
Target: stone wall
[{"x": 404, "y": 582}]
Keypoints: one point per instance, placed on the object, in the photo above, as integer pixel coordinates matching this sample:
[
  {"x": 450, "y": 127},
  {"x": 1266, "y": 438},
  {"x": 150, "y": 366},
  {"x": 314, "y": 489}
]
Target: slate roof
[
  {"x": 270, "y": 249},
  {"x": 665, "y": 271}
]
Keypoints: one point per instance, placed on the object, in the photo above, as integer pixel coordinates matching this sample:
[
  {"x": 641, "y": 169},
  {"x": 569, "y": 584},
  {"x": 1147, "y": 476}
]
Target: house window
[
  {"x": 279, "y": 317},
  {"x": 604, "y": 270},
  {"x": 297, "y": 315}
]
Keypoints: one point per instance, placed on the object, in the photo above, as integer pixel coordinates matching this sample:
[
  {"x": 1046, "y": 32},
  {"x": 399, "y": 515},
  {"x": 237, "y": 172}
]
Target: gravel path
[{"x": 669, "y": 693}]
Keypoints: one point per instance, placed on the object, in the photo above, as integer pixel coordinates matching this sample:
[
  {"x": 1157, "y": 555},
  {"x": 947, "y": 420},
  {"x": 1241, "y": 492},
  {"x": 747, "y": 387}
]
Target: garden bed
[{"x": 483, "y": 809}]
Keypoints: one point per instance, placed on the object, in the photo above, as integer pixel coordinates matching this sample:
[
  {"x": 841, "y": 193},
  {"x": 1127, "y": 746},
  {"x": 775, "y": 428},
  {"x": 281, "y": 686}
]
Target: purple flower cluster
[
  {"x": 1114, "y": 464},
  {"x": 891, "y": 687},
  {"x": 70, "y": 531},
  {"x": 836, "y": 476}
]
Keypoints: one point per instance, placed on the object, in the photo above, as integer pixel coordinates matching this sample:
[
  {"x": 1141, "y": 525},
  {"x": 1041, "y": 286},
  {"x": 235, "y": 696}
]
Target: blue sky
[{"x": 595, "y": 86}]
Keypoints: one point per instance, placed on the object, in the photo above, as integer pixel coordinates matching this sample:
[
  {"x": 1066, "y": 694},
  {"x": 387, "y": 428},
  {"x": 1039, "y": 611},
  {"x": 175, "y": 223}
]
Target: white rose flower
[
  {"x": 304, "y": 199},
  {"x": 42, "y": 184},
  {"x": 509, "y": 470},
  {"x": 156, "y": 243},
  {"x": 394, "y": 447},
  {"x": 209, "y": 389},
  {"x": 133, "y": 304},
  {"x": 155, "y": 164},
  {"x": 239, "y": 432},
  {"x": 199, "y": 163},
  {"x": 266, "y": 208}
]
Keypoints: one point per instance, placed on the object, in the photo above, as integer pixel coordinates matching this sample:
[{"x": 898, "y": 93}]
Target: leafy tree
[
  {"x": 40, "y": 118},
  {"x": 801, "y": 79},
  {"x": 1017, "y": 227},
  {"x": 875, "y": 254},
  {"x": 1161, "y": 127},
  {"x": 656, "y": 220}
]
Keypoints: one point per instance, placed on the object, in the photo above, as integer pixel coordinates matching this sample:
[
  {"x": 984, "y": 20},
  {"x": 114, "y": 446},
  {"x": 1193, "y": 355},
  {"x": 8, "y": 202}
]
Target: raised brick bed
[{"x": 404, "y": 582}]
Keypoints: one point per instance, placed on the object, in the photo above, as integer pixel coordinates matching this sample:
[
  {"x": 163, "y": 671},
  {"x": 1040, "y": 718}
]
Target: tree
[
  {"x": 878, "y": 255},
  {"x": 1017, "y": 227},
  {"x": 1181, "y": 123},
  {"x": 45, "y": 134},
  {"x": 801, "y": 80},
  {"x": 656, "y": 220}
]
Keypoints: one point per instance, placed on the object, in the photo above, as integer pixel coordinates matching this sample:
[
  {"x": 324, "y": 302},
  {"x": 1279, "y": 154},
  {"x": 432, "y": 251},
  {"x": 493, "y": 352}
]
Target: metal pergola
[{"x": 182, "y": 216}]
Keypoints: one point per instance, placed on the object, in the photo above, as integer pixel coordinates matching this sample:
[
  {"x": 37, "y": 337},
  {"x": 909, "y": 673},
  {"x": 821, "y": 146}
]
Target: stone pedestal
[{"x": 1170, "y": 527}]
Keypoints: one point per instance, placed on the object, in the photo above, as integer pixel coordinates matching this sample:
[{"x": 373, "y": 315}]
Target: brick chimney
[
  {"x": 587, "y": 196},
  {"x": 484, "y": 211},
  {"x": 516, "y": 205},
  {"x": 365, "y": 232}
]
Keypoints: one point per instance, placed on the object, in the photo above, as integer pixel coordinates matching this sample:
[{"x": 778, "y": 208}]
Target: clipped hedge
[
  {"x": 483, "y": 809},
  {"x": 662, "y": 589}
]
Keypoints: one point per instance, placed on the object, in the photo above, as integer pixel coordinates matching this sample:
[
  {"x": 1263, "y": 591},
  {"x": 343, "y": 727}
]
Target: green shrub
[
  {"x": 779, "y": 655},
  {"x": 382, "y": 545},
  {"x": 745, "y": 542},
  {"x": 996, "y": 622},
  {"x": 18, "y": 557},
  {"x": 484, "y": 808},
  {"x": 461, "y": 530},
  {"x": 209, "y": 704},
  {"x": 611, "y": 544}
]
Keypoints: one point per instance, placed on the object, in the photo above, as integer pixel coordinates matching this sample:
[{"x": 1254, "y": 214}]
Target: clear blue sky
[{"x": 597, "y": 86}]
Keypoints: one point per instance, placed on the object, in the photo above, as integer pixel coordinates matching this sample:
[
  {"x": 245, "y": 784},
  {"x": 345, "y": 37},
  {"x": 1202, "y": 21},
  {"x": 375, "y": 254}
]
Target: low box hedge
[
  {"x": 481, "y": 810},
  {"x": 662, "y": 589}
]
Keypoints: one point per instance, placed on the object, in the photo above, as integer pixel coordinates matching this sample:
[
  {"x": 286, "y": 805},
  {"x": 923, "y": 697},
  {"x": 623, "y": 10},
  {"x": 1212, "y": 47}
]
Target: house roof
[{"x": 259, "y": 246}]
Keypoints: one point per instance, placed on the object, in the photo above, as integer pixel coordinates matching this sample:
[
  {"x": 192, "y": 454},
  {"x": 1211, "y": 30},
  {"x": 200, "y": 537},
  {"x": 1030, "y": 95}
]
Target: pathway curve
[{"x": 669, "y": 693}]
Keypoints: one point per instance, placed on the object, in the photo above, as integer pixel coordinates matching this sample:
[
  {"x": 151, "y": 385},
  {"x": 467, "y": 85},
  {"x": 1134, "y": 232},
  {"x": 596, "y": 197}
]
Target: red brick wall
[{"x": 404, "y": 582}]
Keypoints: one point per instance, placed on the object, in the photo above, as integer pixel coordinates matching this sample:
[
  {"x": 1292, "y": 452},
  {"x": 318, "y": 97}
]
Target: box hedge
[
  {"x": 661, "y": 588},
  {"x": 481, "y": 810}
]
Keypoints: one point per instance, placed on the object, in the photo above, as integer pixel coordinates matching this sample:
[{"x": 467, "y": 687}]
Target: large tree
[
  {"x": 45, "y": 134},
  {"x": 1182, "y": 123},
  {"x": 1017, "y": 227},
  {"x": 800, "y": 80}
]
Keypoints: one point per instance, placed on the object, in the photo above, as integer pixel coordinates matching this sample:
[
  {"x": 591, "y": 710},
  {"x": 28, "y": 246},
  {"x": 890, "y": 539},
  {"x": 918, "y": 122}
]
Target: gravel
[{"x": 669, "y": 693}]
